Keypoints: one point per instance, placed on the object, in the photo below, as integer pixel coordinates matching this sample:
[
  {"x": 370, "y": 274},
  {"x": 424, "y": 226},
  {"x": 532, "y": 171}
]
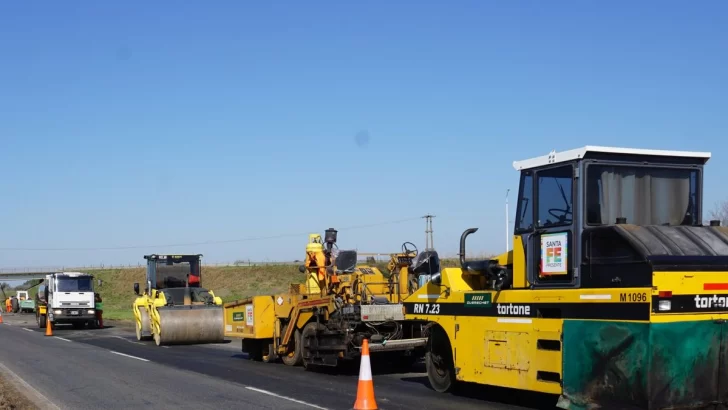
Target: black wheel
[
  {"x": 439, "y": 361},
  {"x": 269, "y": 355},
  {"x": 15, "y": 305},
  {"x": 254, "y": 349},
  {"x": 293, "y": 358},
  {"x": 41, "y": 319},
  {"x": 309, "y": 331}
]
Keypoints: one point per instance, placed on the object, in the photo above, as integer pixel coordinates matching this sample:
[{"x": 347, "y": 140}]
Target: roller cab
[
  {"x": 614, "y": 295},
  {"x": 175, "y": 308}
]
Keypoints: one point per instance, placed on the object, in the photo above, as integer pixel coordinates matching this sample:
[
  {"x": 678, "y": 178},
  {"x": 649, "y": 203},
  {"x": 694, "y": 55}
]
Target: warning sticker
[{"x": 249, "y": 315}]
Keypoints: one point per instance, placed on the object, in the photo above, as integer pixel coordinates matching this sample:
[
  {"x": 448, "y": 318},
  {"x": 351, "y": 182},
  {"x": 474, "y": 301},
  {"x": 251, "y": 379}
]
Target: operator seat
[{"x": 426, "y": 262}]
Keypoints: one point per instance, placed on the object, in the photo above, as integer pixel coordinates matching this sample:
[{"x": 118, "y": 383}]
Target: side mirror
[
  {"x": 136, "y": 288},
  {"x": 302, "y": 268}
]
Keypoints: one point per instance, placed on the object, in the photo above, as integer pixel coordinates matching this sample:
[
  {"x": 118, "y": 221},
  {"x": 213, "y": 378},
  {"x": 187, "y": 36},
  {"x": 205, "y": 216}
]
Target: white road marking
[
  {"x": 128, "y": 355},
  {"x": 130, "y": 341},
  {"x": 166, "y": 347},
  {"x": 58, "y": 337},
  {"x": 285, "y": 398},
  {"x": 30, "y": 330}
]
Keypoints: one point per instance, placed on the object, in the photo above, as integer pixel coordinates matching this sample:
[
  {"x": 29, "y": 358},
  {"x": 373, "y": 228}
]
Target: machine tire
[
  {"x": 271, "y": 356},
  {"x": 439, "y": 362},
  {"x": 41, "y": 319},
  {"x": 297, "y": 358},
  {"x": 310, "y": 329},
  {"x": 15, "y": 305}
]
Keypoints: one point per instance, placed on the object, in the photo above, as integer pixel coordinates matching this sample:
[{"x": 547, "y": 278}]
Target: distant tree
[{"x": 720, "y": 212}]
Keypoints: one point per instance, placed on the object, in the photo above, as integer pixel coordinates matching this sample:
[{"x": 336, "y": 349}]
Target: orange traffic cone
[
  {"x": 365, "y": 392},
  {"x": 1, "y": 317},
  {"x": 49, "y": 331}
]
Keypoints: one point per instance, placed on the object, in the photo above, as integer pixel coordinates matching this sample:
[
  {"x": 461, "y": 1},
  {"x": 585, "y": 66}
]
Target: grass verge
[{"x": 228, "y": 282}]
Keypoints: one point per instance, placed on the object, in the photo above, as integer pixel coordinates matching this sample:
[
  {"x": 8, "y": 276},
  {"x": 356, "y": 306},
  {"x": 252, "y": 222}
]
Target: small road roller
[{"x": 174, "y": 308}]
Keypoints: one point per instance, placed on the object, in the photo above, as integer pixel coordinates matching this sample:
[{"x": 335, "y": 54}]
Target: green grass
[{"x": 229, "y": 282}]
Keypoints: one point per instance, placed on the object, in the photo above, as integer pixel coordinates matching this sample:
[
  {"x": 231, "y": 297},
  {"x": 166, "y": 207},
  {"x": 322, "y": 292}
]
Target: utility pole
[{"x": 429, "y": 241}]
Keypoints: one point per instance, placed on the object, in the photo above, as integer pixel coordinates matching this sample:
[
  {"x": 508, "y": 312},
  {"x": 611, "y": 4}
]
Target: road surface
[{"x": 108, "y": 368}]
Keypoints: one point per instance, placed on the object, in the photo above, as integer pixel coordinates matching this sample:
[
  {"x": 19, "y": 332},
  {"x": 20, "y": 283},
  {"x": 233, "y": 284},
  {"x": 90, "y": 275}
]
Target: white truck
[{"x": 66, "y": 297}]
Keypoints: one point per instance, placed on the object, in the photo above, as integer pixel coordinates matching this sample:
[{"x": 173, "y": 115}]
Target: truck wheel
[
  {"x": 41, "y": 321},
  {"x": 439, "y": 362},
  {"x": 294, "y": 358}
]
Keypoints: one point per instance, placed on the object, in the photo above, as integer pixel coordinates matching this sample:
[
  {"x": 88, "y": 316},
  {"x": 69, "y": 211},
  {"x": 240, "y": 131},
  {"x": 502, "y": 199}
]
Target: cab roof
[
  {"x": 73, "y": 274},
  {"x": 579, "y": 153}
]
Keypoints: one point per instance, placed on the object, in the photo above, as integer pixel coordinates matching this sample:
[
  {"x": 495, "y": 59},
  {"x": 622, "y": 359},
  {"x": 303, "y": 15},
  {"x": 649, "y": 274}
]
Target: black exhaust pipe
[{"x": 462, "y": 245}]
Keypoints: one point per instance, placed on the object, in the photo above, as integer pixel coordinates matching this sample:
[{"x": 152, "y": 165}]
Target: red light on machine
[
  {"x": 365, "y": 317},
  {"x": 665, "y": 293},
  {"x": 715, "y": 286}
]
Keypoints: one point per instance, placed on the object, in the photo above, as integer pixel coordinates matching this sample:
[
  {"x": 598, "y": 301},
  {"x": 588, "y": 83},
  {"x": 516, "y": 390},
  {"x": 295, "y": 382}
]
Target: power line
[{"x": 258, "y": 238}]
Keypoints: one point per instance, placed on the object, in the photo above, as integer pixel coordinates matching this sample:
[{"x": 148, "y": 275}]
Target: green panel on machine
[{"x": 640, "y": 364}]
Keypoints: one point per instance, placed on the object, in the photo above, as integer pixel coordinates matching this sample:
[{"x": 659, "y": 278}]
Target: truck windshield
[
  {"x": 75, "y": 284},
  {"x": 642, "y": 195}
]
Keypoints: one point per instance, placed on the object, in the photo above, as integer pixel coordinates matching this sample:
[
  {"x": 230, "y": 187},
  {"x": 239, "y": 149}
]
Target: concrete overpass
[{"x": 23, "y": 274}]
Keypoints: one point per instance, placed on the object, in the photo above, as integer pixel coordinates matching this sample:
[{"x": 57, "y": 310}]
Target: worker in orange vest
[{"x": 8, "y": 305}]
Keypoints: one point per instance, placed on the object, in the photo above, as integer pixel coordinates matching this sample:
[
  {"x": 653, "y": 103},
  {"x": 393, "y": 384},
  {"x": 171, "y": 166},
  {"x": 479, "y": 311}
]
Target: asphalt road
[{"x": 109, "y": 368}]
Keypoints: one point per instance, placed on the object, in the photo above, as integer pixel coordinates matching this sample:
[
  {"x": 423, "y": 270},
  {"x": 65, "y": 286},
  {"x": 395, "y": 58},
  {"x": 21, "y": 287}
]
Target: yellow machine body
[
  {"x": 623, "y": 314},
  {"x": 273, "y": 326},
  {"x": 174, "y": 308}
]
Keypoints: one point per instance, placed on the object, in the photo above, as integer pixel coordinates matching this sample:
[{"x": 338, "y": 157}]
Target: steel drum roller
[{"x": 190, "y": 325}]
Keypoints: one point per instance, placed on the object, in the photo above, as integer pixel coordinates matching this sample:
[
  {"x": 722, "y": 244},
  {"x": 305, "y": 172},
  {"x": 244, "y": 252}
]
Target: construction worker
[
  {"x": 316, "y": 260},
  {"x": 8, "y": 305},
  {"x": 99, "y": 310}
]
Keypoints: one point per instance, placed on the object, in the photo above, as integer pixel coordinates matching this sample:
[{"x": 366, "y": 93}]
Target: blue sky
[{"x": 136, "y": 123}]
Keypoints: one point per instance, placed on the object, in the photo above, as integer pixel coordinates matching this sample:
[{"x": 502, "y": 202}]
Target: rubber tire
[
  {"x": 41, "y": 319},
  {"x": 297, "y": 358},
  {"x": 311, "y": 327},
  {"x": 15, "y": 306},
  {"x": 442, "y": 379},
  {"x": 256, "y": 352},
  {"x": 271, "y": 356}
]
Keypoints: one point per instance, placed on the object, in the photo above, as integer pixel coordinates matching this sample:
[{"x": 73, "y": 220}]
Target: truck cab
[{"x": 67, "y": 298}]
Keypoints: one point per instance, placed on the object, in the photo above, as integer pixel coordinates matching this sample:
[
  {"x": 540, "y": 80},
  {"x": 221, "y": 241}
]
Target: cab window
[
  {"x": 524, "y": 211},
  {"x": 555, "y": 199}
]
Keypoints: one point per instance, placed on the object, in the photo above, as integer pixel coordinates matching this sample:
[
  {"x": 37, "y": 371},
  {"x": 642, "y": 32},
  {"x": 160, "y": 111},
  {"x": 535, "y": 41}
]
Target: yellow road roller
[{"x": 174, "y": 308}]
